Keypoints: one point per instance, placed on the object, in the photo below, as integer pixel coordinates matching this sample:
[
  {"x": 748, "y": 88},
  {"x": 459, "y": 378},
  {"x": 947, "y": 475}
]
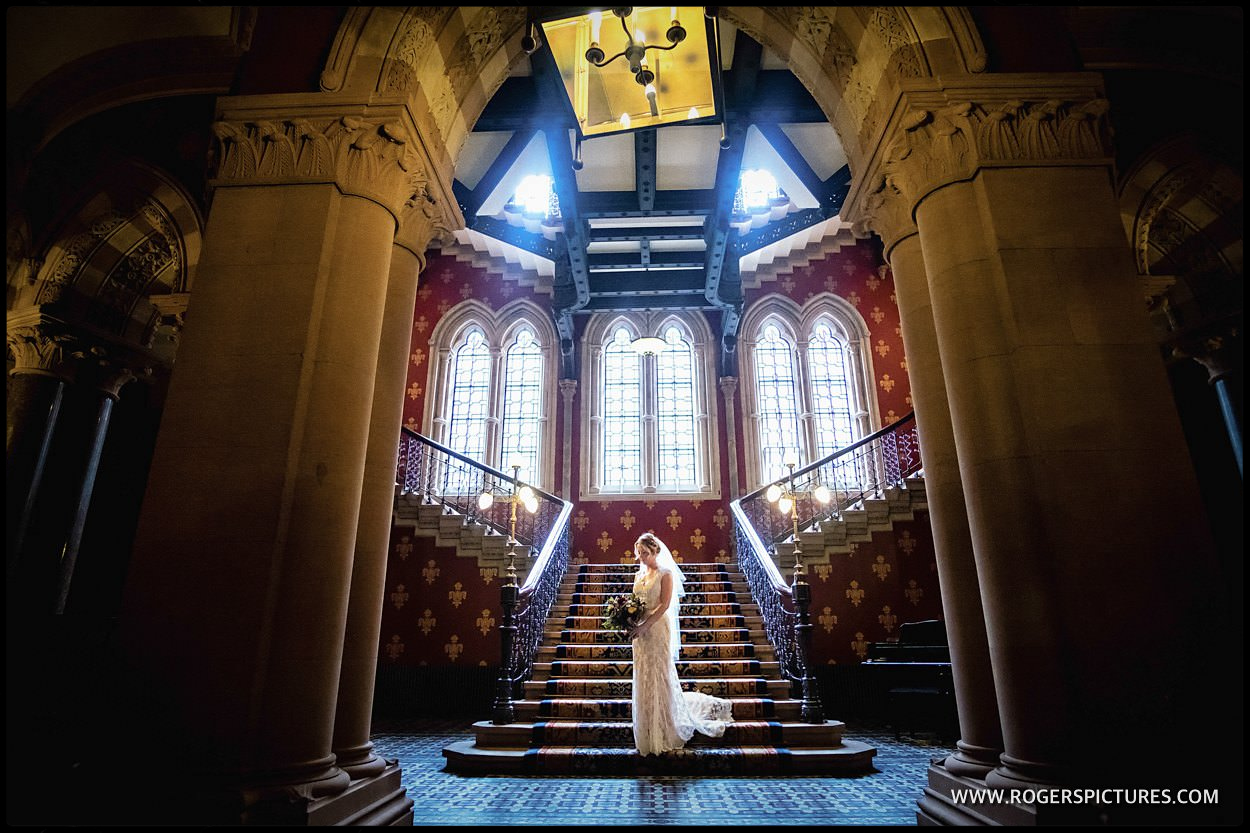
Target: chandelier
[{"x": 663, "y": 68}]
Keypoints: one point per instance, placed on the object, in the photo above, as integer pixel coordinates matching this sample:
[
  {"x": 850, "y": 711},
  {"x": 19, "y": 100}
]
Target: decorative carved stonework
[
  {"x": 420, "y": 26},
  {"x": 901, "y": 42},
  {"x": 937, "y": 138},
  {"x": 40, "y": 349},
  {"x": 371, "y": 158}
]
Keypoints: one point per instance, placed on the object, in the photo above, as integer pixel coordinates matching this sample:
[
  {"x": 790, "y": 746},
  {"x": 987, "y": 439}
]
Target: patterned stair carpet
[{"x": 576, "y": 712}]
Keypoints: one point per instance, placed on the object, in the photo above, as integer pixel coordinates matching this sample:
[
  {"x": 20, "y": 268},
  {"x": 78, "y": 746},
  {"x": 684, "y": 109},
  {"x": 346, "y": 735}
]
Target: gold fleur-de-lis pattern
[
  {"x": 696, "y": 503},
  {"x": 418, "y": 356},
  {"x": 466, "y": 291},
  {"x": 581, "y": 520},
  {"x": 414, "y": 390},
  {"x": 886, "y": 383},
  {"x": 855, "y": 593},
  {"x": 604, "y": 540},
  {"x": 827, "y": 619},
  {"x": 403, "y": 547},
  {"x": 698, "y": 539},
  {"x": 457, "y": 594},
  {"x": 431, "y": 571},
  {"x": 395, "y": 648},
  {"x": 882, "y": 348},
  {"x": 877, "y": 315},
  {"x": 453, "y": 649},
  {"x": 823, "y": 571},
  {"x": 887, "y": 618},
  {"x": 411, "y": 424},
  {"x": 859, "y": 645},
  {"x": 881, "y": 568},
  {"x": 485, "y": 622},
  {"x": 906, "y": 543},
  {"x": 720, "y": 519},
  {"x": 914, "y": 592},
  {"x": 427, "y": 622},
  {"x": 399, "y": 596},
  {"x": 488, "y": 574},
  {"x": 673, "y": 519},
  {"x": 628, "y": 520}
]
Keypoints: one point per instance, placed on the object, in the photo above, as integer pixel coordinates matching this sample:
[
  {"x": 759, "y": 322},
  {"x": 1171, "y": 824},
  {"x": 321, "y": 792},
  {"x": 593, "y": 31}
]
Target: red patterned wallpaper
[{"x": 438, "y": 615}]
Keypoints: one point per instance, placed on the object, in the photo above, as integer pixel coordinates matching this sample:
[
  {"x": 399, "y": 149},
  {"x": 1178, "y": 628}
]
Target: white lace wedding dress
[{"x": 665, "y": 717}]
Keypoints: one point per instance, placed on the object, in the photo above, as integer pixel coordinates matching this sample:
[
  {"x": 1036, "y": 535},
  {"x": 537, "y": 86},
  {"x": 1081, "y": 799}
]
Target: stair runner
[{"x": 576, "y": 712}]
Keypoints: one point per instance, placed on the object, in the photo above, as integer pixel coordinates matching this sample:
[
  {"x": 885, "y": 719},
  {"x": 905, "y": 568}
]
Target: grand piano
[{"x": 913, "y": 677}]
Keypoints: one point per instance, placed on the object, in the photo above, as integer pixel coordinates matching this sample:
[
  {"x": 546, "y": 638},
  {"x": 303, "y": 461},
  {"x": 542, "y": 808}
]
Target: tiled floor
[{"x": 886, "y": 796}]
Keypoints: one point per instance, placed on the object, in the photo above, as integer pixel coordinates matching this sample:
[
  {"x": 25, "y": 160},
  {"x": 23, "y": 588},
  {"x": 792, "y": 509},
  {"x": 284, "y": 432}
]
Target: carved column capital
[
  {"x": 947, "y": 133},
  {"x": 1216, "y": 347},
  {"x": 568, "y": 387},
  {"x": 38, "y": 349},
  {"x": 728, "y": 386},
  {"x": 371, "y": 150}
]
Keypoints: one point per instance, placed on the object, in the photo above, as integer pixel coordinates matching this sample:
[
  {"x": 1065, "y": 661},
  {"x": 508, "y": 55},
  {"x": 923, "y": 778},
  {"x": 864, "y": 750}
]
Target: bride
[{"x": 665, "y": 717}]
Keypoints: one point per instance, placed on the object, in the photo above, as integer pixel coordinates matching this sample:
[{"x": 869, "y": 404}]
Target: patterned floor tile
[{"x": 886, "y": 796}]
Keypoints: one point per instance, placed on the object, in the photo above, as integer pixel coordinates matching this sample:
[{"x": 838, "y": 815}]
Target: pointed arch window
[
  {"x": 491, "y": 396},
  {"x": 648, "y": 426},
  {"x": 806, "y": 382}
]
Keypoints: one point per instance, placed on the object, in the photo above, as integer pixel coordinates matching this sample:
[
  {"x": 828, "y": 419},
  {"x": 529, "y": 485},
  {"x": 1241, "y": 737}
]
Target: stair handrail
[
  {"x": 437, "y": 474},
  {"x": 884, "y": 458}
]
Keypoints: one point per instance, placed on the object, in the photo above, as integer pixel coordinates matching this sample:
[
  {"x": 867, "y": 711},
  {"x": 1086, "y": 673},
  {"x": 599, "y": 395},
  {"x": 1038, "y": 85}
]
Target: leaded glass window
[
  {"x": 675, "y": 414},
  {"x": 831, "y": 397},
  {"x": 622, "y": 415},
  {"x": 522, "y": 405},
  {"x": 777, "y": 391}
]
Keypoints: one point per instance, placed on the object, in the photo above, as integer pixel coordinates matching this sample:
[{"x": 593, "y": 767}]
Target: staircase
[
  {"x": 575, "y": 714},
  {"x": 855, "y": 524},
  {"x": 449, "y": 528}
]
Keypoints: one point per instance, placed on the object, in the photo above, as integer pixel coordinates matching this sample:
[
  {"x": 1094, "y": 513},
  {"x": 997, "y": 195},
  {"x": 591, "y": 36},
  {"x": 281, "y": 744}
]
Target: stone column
[
  {"x": 1220, "y": 352},
  {"x": 729, "y": 390},
  {"x": 238, "y": 594},
  {"x": 1063, "y": 421},
  {"x": 980, "y": 735},
  {"x": 354, "y": 709},
  {"x": 568, "y": 389},
  {"x": 101, "y": 380},
  {"x": 35, "y": 388}
]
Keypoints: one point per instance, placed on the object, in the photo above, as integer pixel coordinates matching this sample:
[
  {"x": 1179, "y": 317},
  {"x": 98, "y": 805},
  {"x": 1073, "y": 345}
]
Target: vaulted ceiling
[{"x": 649, "y": 221}]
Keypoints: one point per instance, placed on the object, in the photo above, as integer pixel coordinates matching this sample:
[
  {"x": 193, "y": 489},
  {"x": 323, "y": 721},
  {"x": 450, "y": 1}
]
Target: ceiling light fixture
[{"x": 655, "y": 85}]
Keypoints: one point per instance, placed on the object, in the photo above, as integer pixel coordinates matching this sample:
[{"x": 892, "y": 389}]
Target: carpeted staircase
[{"x": 575, "y": 716}]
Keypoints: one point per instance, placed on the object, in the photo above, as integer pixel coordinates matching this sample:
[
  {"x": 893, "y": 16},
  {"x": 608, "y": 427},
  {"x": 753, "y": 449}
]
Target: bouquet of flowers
[{"x": 623, "y": 611}]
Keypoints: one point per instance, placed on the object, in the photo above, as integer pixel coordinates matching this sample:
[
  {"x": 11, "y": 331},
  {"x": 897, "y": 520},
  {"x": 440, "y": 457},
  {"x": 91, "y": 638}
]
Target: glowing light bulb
[
  {"x": 624, "y": 119},
  {"x": 531, "y": 504},
  {"x": 672, "y": 13},
  {"x": 649, "y": 90},
  {"x": 693, "y": 114},
  {"x": 596, "y": 23},
  {"x": 640, "y": 38},
  {"x": 785, "y": 505},
  {"x": 526, "y": 494},
  {"x": 823, "y": 494},
  {"x": 774, "y": 492},
  {"x": 484, "y": 501}
]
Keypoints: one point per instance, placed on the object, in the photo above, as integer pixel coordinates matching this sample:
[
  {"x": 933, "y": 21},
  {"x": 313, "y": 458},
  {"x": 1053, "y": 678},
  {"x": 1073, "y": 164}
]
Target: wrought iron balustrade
[
  {"x": 852, "y": 475},
  {"x": 437, "y": 475}
]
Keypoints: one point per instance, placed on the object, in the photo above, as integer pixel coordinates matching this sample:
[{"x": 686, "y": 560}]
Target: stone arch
[
  {"x": 136, "y": 233},
  {"x": 449, "y": 61}
]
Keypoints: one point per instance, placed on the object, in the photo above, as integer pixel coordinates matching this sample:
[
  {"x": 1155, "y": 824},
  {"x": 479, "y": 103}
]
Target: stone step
[
  {"x": 584, "y": 687},
  {"x": 601, "y": 708},
  {"x": 686, "y": 623},
  {"x": 621, "y": 734},
  {"x": 849, "y": 758},
  {"x": 685, "y": 668},
  {"x": 708, "y": 651},
  {"x": 684, "y": 609},
  {"x": 692, "y": 637}
]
